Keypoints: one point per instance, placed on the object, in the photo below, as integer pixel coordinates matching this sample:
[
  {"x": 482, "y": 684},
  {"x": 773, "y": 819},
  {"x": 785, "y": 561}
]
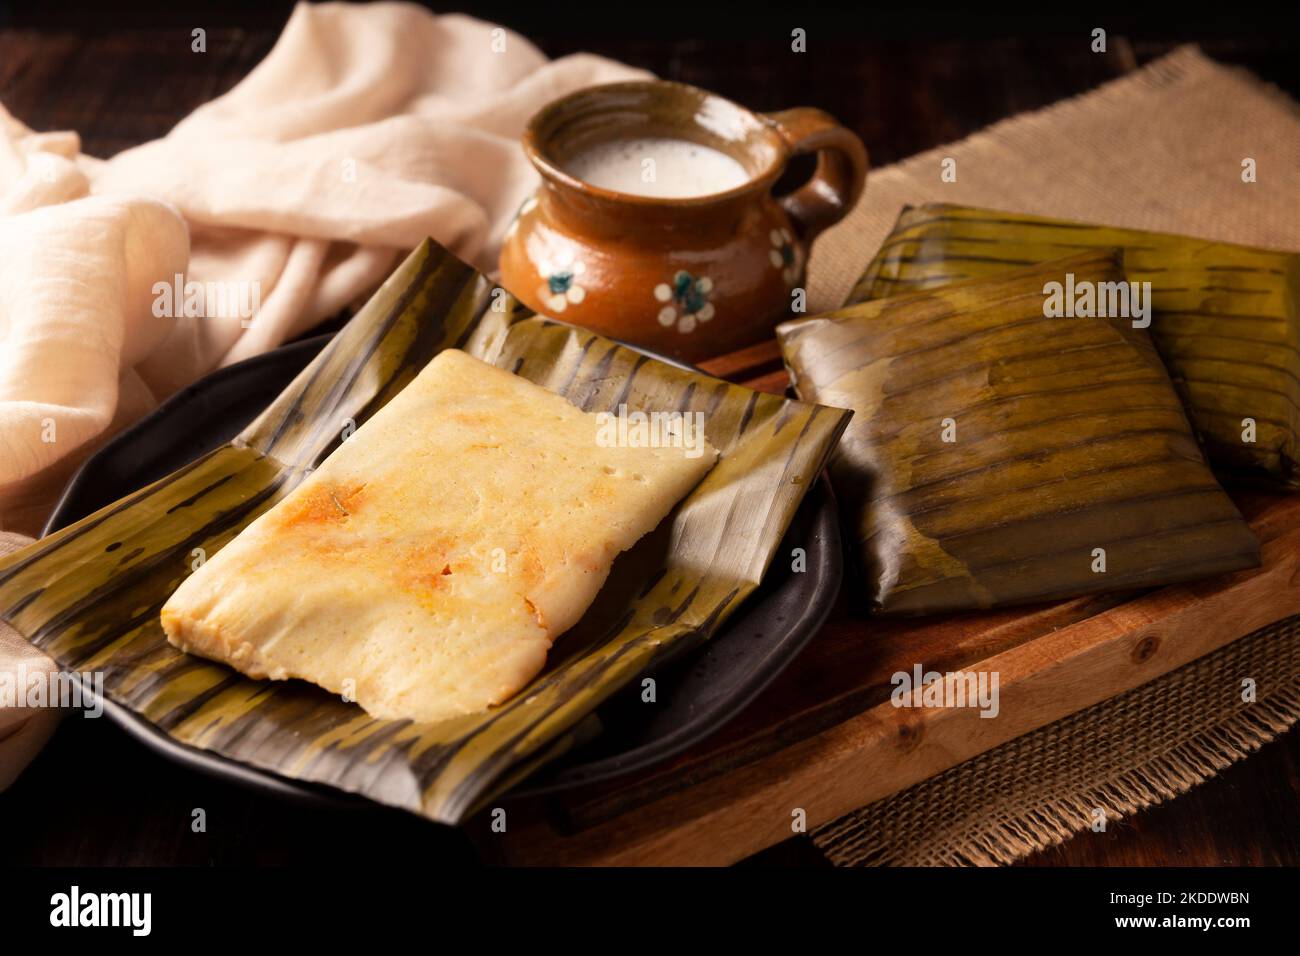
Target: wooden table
[{"x": 905, "y": 82}]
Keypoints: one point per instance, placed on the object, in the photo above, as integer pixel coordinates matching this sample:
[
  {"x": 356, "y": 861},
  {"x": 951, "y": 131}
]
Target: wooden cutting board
[{"x": 825, "y": 737}]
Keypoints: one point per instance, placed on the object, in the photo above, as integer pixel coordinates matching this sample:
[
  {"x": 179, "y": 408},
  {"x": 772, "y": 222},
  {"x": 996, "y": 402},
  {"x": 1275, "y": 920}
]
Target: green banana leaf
[
  {"x": 1226, "y": 317},
  {"x": 998, "y": 456},
  {"x": 90, "y": 595}
]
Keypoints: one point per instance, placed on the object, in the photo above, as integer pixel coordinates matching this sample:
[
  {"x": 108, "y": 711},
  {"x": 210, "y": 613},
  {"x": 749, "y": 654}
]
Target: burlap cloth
[
  {"x": 1162, "y": 148},
  {"x": 1132, "y": 751}
]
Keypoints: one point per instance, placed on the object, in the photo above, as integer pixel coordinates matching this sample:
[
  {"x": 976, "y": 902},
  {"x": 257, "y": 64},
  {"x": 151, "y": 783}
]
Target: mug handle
[{"x": 841, "y": 172}]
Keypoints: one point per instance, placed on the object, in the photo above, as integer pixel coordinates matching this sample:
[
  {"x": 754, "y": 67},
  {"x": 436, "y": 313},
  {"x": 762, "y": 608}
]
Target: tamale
[
  {"x": 1226, "y": 318},
  {"x": 426, "y": 567},
  {"x": 88, "y": 595},
  {"x": 999, "y": 456}
]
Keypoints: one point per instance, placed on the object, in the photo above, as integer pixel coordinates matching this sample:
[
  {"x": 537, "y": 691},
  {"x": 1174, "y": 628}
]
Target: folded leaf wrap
[
  {"x": 1226, "y": 317},
  {"x": 89, "y": 595},
  {"x": 998, "y": 456}
]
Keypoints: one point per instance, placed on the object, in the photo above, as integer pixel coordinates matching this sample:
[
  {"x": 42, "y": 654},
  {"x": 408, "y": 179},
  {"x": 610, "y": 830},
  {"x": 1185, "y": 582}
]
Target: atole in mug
[{"x": 656, "y": 223}]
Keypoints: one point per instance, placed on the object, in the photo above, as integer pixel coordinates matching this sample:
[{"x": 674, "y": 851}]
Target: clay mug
[{"x": 692, "y": 276}]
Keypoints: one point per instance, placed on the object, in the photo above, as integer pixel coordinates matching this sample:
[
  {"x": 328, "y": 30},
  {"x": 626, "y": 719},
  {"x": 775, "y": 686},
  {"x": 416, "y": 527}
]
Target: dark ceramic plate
[{"x": 695, "y": 695}]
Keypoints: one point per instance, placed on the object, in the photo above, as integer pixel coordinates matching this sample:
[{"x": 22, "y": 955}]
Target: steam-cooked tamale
[
  {"x": 426, "y": 567},
  {"x": 998, "y": 455},
  {"x": 1225, "y": 318}
]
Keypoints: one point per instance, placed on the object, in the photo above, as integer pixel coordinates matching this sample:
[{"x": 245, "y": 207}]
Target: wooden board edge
[{"x": 886, "y": 749}]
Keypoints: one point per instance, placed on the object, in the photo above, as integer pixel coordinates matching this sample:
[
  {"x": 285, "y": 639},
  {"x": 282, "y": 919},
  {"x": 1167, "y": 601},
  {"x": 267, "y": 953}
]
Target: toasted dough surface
[{"x": 425, "y": 568}]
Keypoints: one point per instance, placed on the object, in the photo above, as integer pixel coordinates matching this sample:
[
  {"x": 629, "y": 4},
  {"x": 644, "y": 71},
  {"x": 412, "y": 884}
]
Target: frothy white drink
[{"x": 657, "y": 166}]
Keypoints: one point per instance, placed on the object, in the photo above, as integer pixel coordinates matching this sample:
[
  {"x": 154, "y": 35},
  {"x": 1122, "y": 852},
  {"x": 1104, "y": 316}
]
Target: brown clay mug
[{"x": 691, "y": 276}]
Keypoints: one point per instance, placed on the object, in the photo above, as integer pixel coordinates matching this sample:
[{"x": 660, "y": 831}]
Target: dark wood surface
[{"x": 905, "y": 83}]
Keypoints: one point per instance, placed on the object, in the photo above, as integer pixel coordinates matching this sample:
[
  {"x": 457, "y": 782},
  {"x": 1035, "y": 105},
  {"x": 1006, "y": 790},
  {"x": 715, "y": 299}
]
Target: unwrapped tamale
[
  {"x": 998, "y": 455},
  {"x": 426, "y": 567},
  {"x": 1226, "y": 318}
]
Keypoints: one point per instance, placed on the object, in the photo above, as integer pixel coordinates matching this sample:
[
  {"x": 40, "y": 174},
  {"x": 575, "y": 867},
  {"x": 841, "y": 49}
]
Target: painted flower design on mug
[
  {"x": 686, "y": 301},
  {"x": 783, "y": 255},
  {"x": 560, "y": 287}
]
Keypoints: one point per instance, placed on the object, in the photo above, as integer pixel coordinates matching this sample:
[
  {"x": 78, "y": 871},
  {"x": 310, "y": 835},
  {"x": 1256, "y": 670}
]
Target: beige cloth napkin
[
  {"x": 23, "y": 730},
  {"x": 364, "y": 130}
]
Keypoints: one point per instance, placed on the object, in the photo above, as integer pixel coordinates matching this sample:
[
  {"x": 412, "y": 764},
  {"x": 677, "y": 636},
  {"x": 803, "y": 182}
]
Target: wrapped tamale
[
  {"x": 1001, "y": 454},
  {"x": 1225, "y": 318}
]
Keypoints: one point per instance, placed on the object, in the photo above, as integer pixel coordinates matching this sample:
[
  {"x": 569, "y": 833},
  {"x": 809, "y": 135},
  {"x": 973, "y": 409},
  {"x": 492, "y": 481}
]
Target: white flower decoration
[
  {"x": 784, "y": 255},
  {"x": 560, "y": 288},
  {"x": 686, "y": 301}
]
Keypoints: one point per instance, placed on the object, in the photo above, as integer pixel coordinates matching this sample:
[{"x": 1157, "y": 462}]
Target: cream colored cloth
[
  {"x": 23, "y": 730},
  {"x": 364, "y": 130}
]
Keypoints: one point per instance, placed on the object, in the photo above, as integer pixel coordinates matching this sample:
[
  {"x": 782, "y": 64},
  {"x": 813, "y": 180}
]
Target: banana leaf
[
  {"x": 1226, "y": 317},
  {"x": 998, "y": 456},
  {"x": 89, "y": 595}
]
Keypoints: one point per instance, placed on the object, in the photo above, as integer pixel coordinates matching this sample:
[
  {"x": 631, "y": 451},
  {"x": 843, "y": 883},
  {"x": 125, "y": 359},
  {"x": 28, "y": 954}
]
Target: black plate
[{"x": 695, "y": 696}]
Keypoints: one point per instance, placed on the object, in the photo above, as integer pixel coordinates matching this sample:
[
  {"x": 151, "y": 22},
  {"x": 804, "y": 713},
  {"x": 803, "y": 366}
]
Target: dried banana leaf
[
  {"x": 90, "y": 594},
  {"x": 997, "y": 456},
  {"x": 1226, "y": 317}
]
